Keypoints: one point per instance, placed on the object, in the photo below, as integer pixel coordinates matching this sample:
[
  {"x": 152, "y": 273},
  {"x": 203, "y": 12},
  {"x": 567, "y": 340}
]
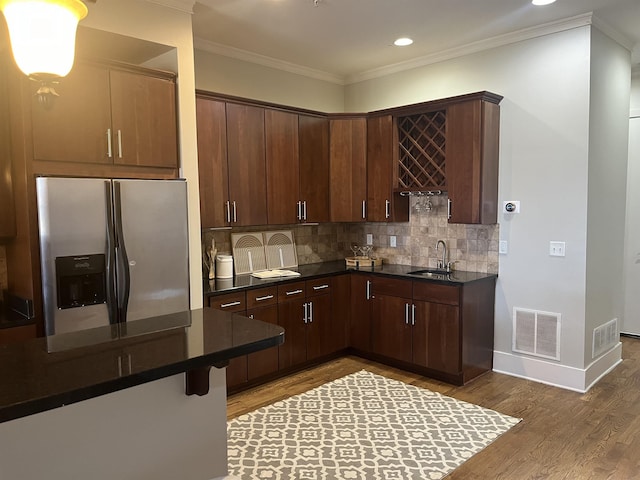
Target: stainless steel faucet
[{"x": 442, "y": 263}]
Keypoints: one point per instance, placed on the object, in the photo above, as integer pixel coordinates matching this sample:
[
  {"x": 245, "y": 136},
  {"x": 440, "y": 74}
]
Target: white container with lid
[{"x": 224, "y": 266}]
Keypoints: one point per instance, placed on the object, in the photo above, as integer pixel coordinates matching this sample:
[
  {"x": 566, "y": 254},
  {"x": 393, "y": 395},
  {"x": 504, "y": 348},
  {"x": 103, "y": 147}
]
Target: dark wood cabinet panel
[
  {"x": 313, "y": 135},
  {"x": 472, "y": 161},
  {"x": 143, "y": 114},
  {"x": 213, "y": 174},
  {"x": 291, "y": 317},
  {"x": 436, "y": 337},
  {"x": 348, "y": 169},
  {"x": 7, "y": 211},
  {"x": 282, "y": 171},
  {"x": 105, "y": 115},
  {"x": 264, "y": 362},
  {"x": 391, "y": 329},
  {"x": 360, "y": 321},
  {"x": 340, "y": 312},
  {"x": 77, "y": 127},
  {"x": 382, "y": 175},
  {"x": 246, "y": 161},
  {"x": 319, "y": 326}
]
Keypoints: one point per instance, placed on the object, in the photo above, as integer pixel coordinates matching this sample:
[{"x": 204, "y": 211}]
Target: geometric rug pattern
[{"x": 361, "y": 427}]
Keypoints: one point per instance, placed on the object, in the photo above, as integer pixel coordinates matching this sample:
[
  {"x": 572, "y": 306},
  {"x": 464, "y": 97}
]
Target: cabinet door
[
  {"x": 319, "y": 331},
  {"x": 382, "y": 175},
  {"x": 360, "y": 322},
  {"x": 263, "y": 362},
  {"x": 472, "y": 161},
  {"x": 143, "y": 112},
  {"x": 76, "y": 127},
  {"x": 283, "y": 192},
  {"x": 294, "y": 349},
  {"x": 7, "y": 211},
  {"x": 391, "y": 327},
  {"x": 348, "y": 169},
  {"x": 436, "y": 337},
  {"x": 340, "y": 312},
  {"x": 212, "y": 161},
  {"x": 246, "y": 159},
  {"x": 313, "y": 139}
]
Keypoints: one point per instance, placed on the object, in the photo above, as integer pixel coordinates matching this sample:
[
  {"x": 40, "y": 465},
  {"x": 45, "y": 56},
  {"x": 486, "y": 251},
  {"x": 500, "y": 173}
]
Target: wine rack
[{"x": 421, "y": 142}]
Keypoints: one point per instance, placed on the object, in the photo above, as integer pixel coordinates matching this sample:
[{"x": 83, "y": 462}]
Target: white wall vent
[
  {"x": 604, "y": 337},
  {"x": 536, "y": 333}
]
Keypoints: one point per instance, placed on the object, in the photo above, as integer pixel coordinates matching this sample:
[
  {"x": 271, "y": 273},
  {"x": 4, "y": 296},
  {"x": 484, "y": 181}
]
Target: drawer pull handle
[
  {"x": 230, "y": 304},
  {"x": 266, "y": 297},
  {"x": 320, "y": 287},
  {"x": 294, "y": 292}
]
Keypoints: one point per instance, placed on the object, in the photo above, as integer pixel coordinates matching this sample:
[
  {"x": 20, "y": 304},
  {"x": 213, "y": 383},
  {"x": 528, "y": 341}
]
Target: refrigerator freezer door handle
[
  {"x": 110, "y": 258},
  {"x": 123, "y": 274}
]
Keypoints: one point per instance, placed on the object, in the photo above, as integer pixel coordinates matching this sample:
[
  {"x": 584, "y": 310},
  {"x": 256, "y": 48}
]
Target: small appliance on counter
[{"x": 224, "y": 266}]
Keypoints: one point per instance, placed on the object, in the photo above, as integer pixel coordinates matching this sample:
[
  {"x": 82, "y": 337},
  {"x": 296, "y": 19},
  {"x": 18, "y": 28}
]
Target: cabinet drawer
[
  {"x": 391, "y": 286},
  {"x": 262, "y": 297},
  {"x": 231, "y": 302},
  {"x": 290, "y": 291},
  {"x": 319, "y": 286},
  {"x": 436, "y": 293}
]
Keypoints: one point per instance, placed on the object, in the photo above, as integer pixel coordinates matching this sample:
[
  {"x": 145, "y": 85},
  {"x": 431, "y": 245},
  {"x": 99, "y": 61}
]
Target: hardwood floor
[{"x": 563, "y": 435}]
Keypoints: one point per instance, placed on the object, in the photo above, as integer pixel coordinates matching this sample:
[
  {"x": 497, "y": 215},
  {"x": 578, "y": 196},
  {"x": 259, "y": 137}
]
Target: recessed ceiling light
[
  {"x": 542, "y": 2},
  {"x": 403, "y": 42}
]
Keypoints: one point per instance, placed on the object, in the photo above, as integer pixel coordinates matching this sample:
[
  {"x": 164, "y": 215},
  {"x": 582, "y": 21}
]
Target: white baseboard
[{"x": 563, "y": 376}]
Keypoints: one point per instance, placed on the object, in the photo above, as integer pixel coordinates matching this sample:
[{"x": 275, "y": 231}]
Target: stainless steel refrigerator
[{"x": 112, "y": 251}]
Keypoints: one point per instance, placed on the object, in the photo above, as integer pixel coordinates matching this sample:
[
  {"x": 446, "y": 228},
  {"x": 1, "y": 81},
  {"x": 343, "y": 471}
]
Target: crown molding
[
  {"x": 587, "y": 19},
  {"x": 612, "y": 33},
  {"x": 475, "y": 47},
  {"x": 185, "y": 6},
  {"x": 246, "y": 56}
]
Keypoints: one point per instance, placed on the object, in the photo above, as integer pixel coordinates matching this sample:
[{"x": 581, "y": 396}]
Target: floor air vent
[
  {"x": 536, "y": 333},
  {"x": 604, "y": 337}
]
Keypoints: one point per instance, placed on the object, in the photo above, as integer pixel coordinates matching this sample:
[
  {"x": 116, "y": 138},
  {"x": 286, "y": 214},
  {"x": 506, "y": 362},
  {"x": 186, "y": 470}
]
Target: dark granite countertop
[
  {"x": 313, "y": 270},
  {"x": 45, "y": 373}
]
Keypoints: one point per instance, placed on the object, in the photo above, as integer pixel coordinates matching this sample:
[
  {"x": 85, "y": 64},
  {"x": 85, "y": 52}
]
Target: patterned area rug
[{"x": 361, "y": 427}]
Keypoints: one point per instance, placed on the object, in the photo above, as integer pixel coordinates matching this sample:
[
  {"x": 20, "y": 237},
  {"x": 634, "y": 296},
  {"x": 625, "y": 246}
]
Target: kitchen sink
[{"x": 430, "y": 271}]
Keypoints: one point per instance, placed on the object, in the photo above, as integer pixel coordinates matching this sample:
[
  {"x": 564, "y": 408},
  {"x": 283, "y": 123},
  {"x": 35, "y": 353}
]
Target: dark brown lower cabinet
[
  {"x": 264, "y": 362},
  {"x": 436, "y": 337},
  {"x": 360, "y": 321},
  {"x": 391, "y": 330}
]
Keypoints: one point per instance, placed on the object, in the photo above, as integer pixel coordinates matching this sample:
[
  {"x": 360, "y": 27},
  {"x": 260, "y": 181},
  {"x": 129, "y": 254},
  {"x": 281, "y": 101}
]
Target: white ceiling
[{"x": 346, "y": 40}]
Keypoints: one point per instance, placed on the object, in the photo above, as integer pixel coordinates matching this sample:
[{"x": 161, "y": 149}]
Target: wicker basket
[{"x": 358, "y": 262}]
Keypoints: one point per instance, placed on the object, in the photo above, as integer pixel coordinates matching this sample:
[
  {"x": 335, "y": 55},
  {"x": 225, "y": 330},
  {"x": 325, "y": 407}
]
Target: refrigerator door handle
[
  {"x": 123, "y": 274},
  {"x": 110, "y": 267}
]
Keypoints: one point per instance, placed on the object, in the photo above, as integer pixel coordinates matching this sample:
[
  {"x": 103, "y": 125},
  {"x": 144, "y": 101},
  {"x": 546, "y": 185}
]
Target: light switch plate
[
  {"x": 392, "y": 241},
  {"x": 503, "y": 247},
  {"x": 557, "y": 249},
  {"x": 369, "y": 239}
]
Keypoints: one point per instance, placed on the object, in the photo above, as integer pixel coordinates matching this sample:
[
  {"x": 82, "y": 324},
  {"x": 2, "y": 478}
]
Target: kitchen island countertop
[{"x": 49, "y": 372}]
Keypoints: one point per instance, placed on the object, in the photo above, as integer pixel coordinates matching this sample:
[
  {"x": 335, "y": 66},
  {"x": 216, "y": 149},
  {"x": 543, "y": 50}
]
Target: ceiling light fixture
[
  {"x": 43, "y": 37},
  {"x": 542, "y": 2},
  {"x": 403, "y": 42}
]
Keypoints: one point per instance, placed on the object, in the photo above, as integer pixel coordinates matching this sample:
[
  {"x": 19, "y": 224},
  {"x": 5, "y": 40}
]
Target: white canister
[{"x": 224, "y": 266}]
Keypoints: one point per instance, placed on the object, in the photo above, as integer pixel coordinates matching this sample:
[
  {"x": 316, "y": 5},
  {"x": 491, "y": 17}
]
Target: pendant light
[{"x": 43, "y": 37}]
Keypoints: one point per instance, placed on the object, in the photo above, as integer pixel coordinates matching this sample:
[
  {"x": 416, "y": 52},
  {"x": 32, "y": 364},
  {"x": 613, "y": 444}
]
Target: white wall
[
  {"x": 608, "y": 143},
  {"x": 543, "y": 163},
  {"x": 220, "y": 74}
]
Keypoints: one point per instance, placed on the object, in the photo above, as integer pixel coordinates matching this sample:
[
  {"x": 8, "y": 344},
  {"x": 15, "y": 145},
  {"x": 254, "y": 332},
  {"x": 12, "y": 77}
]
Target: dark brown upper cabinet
[
  {"x": 383, "y": 205},
  {"x": 105, "y": 115},
  {"x": 348, "y": 169}
]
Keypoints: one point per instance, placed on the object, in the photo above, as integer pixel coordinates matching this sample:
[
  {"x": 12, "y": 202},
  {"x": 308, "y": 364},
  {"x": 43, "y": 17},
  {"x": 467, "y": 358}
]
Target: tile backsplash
[{"x": 472, "y": 247}]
